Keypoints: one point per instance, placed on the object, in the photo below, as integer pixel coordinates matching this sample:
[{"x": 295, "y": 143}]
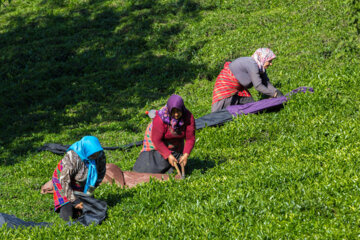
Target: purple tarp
[{"x": 261, "y": 105}]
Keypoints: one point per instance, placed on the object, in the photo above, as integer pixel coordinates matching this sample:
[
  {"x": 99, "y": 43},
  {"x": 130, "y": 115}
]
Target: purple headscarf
[{"x": 175, "y": 101}]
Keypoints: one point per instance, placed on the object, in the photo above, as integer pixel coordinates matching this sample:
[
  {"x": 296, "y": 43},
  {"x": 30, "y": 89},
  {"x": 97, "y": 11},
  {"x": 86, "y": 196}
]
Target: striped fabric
[
  {"x": 227, "y": 85},
  {"x": 59, "y": 196},
  {"x": 147, "y": 143}
]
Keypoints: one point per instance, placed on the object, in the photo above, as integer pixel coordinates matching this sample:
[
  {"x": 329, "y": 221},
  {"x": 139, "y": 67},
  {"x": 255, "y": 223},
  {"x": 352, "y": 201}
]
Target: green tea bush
[{"x": 73, "y": 68}]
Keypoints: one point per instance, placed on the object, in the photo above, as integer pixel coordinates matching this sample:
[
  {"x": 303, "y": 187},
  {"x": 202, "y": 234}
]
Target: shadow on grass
[
  {"x": 114, "y": 199},
  {"x": 90, "y": 63},
  {"x": 202, "y": 165}
]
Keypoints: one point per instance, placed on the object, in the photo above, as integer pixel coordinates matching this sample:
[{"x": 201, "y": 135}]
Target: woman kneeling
[{"x": 163, "y": 145}]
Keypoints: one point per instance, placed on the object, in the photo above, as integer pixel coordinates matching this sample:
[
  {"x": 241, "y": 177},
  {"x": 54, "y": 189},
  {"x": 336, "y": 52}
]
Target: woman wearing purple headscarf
[
  {"x": 163, "y": 145},
  {"x": 233, "y": 82}
]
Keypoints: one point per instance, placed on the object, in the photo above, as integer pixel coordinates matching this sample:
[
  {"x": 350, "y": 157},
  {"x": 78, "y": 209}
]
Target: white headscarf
[{"x": 261, "y": 56}]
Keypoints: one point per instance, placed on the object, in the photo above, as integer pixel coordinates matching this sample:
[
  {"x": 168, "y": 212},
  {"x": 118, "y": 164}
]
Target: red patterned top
[
  {"x": 227, "y": 85},
  {"x": 147, "y": 143},
  {"x": 163, "y": 138}
]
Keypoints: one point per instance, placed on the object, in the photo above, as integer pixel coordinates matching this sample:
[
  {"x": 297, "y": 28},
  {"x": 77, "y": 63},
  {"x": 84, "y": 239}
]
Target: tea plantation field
[{"x": 70, "y": 68}]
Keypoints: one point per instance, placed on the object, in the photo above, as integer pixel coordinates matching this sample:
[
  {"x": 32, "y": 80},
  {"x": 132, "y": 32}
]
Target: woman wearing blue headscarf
[{"x": 81, "y": 170}]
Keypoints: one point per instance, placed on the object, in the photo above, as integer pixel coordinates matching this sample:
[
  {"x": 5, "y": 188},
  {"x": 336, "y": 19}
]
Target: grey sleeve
[
  {"x": 266, "y": 82},
  {"x": 258, "y": 83}
]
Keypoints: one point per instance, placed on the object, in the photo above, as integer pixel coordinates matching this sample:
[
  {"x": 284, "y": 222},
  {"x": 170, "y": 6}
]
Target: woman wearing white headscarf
[{"x": 233, "y": 82}]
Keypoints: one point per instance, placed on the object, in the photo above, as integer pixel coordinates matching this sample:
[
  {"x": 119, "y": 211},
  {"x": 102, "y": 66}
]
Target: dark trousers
[
  {"x": 68, "y": 211},
  {"x": 153, "y": 162},
  {"x": 233, "y": 100}
]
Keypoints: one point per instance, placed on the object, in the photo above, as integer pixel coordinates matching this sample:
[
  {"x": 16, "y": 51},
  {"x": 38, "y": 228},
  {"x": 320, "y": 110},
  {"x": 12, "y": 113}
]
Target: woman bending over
[
  {"x": 233, "y": 82},
  {"x": 81, "y": 170}
]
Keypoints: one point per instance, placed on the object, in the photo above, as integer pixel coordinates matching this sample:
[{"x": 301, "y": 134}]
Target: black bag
[{"x": 94, "y": 210}]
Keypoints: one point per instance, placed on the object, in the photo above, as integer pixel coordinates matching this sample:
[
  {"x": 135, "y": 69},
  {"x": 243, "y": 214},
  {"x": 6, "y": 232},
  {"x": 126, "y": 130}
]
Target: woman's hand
[
  {"x": 278, "y": 93},
  {"x": 79, "y": 206},
  {"x": 183, "y": 159},
  {"x": 172, "y": 160}
]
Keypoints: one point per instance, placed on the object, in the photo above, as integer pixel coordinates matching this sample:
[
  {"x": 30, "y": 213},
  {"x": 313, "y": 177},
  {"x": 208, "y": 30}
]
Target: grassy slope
[{"x": 71, "y": 68}]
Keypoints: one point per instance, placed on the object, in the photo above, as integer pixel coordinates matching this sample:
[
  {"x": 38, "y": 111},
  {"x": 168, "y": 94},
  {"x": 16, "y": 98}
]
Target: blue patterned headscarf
[{"x": 87, "y": 146}]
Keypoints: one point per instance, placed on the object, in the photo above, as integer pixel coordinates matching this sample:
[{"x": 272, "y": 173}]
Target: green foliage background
[{"x": 70, "y": 68}]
